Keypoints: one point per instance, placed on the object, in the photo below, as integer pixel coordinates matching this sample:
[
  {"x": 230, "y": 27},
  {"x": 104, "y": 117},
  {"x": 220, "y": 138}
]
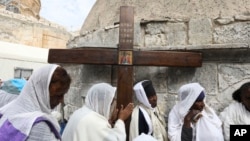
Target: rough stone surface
[
  {"x": 30, "y": 7},
  {"x": 200, "y": 31},
  {"x": 106, "y": 12},
  {"x": 27, "y": 30},
  {"x": 236, "y": 32},
  {"x": 217, "y": 29}
]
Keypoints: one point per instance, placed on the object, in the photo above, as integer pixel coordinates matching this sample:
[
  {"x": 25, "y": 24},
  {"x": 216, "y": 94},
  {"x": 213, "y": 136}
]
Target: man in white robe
[
  {"x": 182, "y": 126},
  {"x": 238, "y": 112},
  {"x": 91, "y": 122},
  {"x": 146, "y": 117}
]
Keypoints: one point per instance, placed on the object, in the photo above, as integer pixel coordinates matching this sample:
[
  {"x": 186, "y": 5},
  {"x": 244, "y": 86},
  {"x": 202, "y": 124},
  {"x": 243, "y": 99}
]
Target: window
[
  {"x": 22, "y": 73},
  {"x": 12, "y": 8}
]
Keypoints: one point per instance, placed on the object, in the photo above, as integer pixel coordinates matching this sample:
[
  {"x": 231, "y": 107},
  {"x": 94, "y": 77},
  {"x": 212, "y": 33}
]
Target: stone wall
[
  {"x": 27, "y": 30},
  {"x": 106, "y": 12},
  {"x": 30, "y": 8},
  {"x": 224, "y": 44}
]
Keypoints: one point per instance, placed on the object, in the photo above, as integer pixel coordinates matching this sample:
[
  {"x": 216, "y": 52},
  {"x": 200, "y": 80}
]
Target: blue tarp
[{"x": 13, "y": 86}]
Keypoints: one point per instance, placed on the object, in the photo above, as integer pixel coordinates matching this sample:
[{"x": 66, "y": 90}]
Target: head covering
[
  {"x": 152, "y": 116},
  {"x": 201, "y": 96},
  {"x": 141, "y": 94},
  {"x": 237, "y": 94},
  {"x": 32, "y": 104},
  {"x": 99, "y": 98},
  {"x": 188, "y": 94},
  {"x": 148, "y": 88},
  {"x": 207, "y": 128}
]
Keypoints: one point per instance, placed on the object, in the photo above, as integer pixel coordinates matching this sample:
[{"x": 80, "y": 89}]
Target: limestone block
[
  {"x": 231, "y": 77},
  {"x": 54, "y": 39},
  {"x": 155, "y": 28},
  {"x": 75, "y": 72},
  {"x": 205, "y": 75},
  {"x": 96, "y": 72},
  {"x": 176, "y": 34},
  {"x": 230, "y": 74},
  {"x": 238, "y": 32},
  {"x": 162, "y": 104},
  {"x": 200, "y": 31},
  {"x": 138, "y": 33},
  {"x": 155, "y": 40},
  {"x": 84, "y": 90},
  {"x": 177, "y": 76},
  {"x": 73, "y": 97},
  {"x": 155, "y": 74},
  {"x": 213, "y": 102},
  {"x": 98, "y": 38}
]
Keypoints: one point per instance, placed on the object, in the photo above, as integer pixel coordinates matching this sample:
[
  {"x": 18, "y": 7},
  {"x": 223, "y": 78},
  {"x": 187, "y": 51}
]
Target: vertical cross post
[{"x": 125, "y": 58}]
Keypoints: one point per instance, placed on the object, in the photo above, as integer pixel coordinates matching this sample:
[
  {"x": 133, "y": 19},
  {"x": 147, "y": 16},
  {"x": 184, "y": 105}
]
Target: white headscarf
[
  {"x": 33, "y": 102},
  {"x": 208, "y": 127},
  {"x": 90, "y": 123},
  {"x": 187, "y": 95},
  {"x": 155, "y": 124},
  {"x": 100, "y": 97},
  {"x": 141, "y": 94}
]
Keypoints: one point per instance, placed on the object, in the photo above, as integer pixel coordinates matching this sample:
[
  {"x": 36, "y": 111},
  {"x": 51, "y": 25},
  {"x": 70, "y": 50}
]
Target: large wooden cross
[{"x": 125, "y": 57}]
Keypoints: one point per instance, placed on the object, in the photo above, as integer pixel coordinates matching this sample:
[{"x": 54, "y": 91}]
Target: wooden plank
[
  {"x": 98, "y": 56},
  {"x": 125, "y": 73},
  {"x": 140, "y": 58},
  {"x": 126, "y": 28},
  {"x": 167, "y": 58},
  {"x": 125, "y": 85},
  {"x": 226, "y": 55},
  {"x": 125, "y": 89}
]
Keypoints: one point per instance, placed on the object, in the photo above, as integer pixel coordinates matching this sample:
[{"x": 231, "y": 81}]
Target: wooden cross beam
[{"x": 125, "y": 57}]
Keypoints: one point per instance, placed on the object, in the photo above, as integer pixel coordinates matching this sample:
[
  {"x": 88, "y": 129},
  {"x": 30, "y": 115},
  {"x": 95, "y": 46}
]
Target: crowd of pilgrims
[{"x": 27, "y": 112}]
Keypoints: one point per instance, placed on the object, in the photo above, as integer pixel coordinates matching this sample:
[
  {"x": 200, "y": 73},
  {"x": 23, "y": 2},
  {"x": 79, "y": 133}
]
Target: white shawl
[
  {"x": 90, "y": 123},
  {"x": 208, "y": 127},
  {"x": 156, "y": 124},
  {"x": 6, "y": 97},
  {"x": 234, "y": 114},
  {"x": 32, "y": 103}
]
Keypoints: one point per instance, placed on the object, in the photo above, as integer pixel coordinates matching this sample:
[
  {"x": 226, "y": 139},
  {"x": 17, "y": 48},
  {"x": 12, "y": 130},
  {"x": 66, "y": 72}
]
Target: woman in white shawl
[
  {"x": 238, "y": 112},
  {"x": 146, "y": 117},
  {"x": 28, "y": 117},
  {"x": 91, "y": 122},
  {"x": 191, "y": 119}
]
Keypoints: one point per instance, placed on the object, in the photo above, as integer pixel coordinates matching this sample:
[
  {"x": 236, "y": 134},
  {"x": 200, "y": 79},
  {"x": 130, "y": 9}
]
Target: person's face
[
  {"x": 153, "y": 101},
  {"x": 245, "y": 98},
  {"x": 57, "y": 92},
  {"x": 198, "y": 105}
]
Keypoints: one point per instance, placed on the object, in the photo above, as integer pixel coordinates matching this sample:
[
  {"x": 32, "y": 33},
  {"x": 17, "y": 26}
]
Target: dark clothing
[
  {"x": 186, "y": 134},
  {"x": 143, "y": 126}
]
